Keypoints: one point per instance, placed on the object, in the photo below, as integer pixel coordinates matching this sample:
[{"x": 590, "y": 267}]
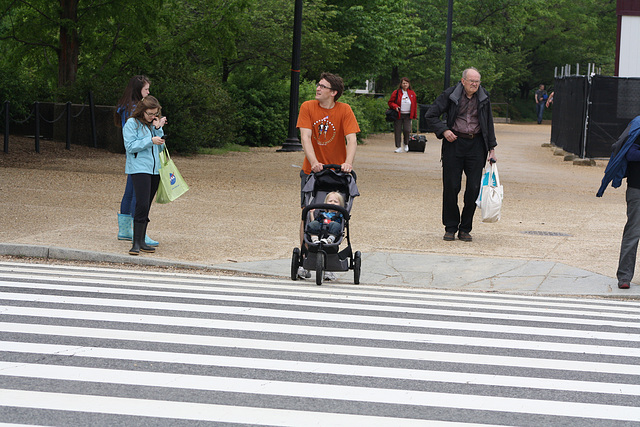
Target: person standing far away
[
  {"x": 468, "y": 141},
  {"x": 136, "y": 90},
  {"x": 328, "y": 131},
  {"x": 541, "y": 99},
  {"x": 404, "y": 101}
]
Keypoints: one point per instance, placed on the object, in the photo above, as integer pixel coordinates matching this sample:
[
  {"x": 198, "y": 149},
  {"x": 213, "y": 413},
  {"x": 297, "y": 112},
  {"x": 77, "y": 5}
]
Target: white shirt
[{"x": 405, "y": 104}]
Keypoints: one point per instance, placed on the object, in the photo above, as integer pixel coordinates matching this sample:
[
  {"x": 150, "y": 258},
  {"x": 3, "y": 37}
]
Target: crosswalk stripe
[
  {"x": 339, "y": 305},
  {"x": 190, "y": 410},
  {"x": 353, "y": 333},
  {"x": 302, "y": 347},
  {"x": 172, "y": 346},
  {"x": 320, "y": 368},
  {"x": 323, "y": 391},
  {"x": 285, "y": 288}
]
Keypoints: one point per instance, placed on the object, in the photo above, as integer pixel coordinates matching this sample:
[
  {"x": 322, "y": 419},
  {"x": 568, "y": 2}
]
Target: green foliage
[
  {"x": 263, "y": 108},
  {"x": 221, "y": 68},
  {"x": 200, "y": 112}
]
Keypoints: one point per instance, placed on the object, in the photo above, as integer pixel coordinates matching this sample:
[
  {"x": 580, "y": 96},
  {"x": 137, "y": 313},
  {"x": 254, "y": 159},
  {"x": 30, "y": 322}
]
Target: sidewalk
[
  {"x": 403, "y": 270},
  {"x": 241, "y": 214}
]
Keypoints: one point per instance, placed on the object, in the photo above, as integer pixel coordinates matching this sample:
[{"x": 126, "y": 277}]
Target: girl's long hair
[{"x": 130, "y": 98}]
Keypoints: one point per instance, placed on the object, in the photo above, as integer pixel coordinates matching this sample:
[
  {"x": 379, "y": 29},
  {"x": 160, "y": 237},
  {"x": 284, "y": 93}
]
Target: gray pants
[
  {"x": 402, "y": 127},
  {"x": 630, "y": 237}
]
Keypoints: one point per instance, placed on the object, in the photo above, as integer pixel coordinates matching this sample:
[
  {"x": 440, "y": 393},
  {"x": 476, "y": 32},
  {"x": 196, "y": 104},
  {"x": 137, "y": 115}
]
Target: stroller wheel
[
  {"x": 357, "y": 263},
  {"x": 295, "y": 263},
  {"x": 319, "y": 268}
]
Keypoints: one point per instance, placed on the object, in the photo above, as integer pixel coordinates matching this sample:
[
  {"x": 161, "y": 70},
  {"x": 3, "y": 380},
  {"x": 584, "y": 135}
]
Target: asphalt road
[{"x": 102, "y": 346}]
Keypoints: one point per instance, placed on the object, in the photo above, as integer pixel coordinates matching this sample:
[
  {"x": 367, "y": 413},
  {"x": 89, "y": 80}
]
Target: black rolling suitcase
[{"x": 417, "y": 143}]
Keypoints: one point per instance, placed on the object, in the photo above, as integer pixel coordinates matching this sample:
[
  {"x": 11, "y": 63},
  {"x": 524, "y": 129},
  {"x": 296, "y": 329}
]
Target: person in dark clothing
[
  {"x": 541, "y": 99},
  {"x": 468, "y": 141},
  {"x": 631, "y": 234}
]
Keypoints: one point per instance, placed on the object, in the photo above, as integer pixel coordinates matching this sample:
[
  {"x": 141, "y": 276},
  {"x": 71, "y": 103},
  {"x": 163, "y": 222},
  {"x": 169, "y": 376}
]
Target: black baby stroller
[{"x": 321, "y": 256}]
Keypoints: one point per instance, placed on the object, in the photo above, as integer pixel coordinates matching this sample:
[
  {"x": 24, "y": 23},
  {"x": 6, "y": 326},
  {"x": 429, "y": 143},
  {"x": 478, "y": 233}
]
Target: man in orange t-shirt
[{"x": 325, "y": 125}]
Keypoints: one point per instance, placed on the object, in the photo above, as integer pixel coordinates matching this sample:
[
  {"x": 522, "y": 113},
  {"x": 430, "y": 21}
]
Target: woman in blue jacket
[{"x": 143, "y": 141}]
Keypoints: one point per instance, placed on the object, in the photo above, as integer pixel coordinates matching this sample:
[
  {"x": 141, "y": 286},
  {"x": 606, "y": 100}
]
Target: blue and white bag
[{"x": 491, "y": 194}]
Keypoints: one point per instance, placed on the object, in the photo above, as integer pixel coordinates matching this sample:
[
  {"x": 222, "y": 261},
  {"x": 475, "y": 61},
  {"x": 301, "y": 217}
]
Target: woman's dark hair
[
  {"x": 132, "y": 95},
  {"x": 147, "y": 103},
  {"x": 336, "y": 83},
  {"x": 404, "y": 79}
]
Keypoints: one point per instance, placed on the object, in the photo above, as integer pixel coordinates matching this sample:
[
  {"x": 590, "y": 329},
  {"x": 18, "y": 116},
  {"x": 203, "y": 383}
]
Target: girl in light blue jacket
[{"x": 143, "y": 141}]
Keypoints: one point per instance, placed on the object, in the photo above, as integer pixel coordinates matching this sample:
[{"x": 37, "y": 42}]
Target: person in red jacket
[{"x": 404, "y": 101}]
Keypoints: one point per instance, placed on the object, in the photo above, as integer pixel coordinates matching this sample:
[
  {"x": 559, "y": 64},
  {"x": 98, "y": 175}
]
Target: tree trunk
[{"x": 69, "y": 43}]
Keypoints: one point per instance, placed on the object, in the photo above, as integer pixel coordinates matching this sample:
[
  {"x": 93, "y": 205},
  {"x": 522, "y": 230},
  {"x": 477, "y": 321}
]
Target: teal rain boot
[
  {"x": 149, "y": 241},
  {"x": 125, "y": 227}
]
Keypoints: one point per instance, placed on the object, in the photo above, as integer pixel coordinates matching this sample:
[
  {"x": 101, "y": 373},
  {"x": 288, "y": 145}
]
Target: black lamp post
[
  {"x": 292, "y": 143},
  {"x": 447, "y": 59}
]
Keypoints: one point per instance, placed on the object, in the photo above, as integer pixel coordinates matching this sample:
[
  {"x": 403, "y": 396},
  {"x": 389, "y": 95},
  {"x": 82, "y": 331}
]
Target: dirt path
[{"x": 245, "y": 206}]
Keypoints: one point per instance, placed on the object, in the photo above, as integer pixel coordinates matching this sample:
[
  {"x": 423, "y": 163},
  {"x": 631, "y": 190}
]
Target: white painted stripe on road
[
  {"x": 190, "y": 411},
  {"x": 302, "y": 390},
  {"x": 345, "y": 306},
  {"x": 322, "y": 330},
  {"x": 374, "y": 293},
  {"x": 322, "y": 368},
  {"x": 323, "y": 348}
]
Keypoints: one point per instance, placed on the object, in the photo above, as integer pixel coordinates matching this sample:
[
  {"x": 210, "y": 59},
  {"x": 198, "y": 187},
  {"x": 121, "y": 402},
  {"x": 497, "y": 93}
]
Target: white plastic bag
[{"x": 491, "y": 194}]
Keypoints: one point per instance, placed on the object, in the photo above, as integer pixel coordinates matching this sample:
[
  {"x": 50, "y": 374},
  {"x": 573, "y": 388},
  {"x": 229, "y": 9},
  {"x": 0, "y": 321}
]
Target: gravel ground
[{"x": 245, "y": 206}]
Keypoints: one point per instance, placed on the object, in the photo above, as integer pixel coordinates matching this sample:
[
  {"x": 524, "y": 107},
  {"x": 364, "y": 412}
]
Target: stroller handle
[{"x": 326, "y": 206}]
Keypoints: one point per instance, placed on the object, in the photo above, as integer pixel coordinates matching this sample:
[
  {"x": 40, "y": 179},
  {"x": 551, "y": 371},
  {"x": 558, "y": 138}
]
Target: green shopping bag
[{"x": 172, "y": 185}]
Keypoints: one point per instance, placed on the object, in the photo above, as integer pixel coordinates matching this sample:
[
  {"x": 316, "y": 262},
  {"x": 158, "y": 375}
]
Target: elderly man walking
[{"x": 468, "y": 141}]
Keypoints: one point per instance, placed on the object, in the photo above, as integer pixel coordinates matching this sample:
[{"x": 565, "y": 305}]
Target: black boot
[
  {"x": 143, "y": 245},
  {"x": 137, "y": 228}
]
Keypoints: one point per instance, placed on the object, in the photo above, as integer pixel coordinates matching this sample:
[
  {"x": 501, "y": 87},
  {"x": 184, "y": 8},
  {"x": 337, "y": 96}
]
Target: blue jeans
[
  {"x": 540, "y": 111},
  {"x": 315, "y": 227},
  {"x": 128, "y": 203}
]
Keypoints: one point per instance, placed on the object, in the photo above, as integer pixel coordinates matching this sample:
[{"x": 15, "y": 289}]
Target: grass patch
[{"x": 223, "y": 150}]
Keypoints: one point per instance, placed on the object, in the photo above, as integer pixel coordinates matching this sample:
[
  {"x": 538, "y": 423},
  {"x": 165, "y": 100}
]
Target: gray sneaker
[
  {"x": 303, "y": 274},
  {"x": 328, "y": 275}
]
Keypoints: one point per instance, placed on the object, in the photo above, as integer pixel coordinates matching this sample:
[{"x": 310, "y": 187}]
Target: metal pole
[
  {"x": 6, "y": 126},
  {"x": 68, "y": 108},
  {"x": 37, "y": 114},
  {"x": 93, "y": 120},
  {"x": 447, "y": 60},
  {"x": 292, "y": 143}
]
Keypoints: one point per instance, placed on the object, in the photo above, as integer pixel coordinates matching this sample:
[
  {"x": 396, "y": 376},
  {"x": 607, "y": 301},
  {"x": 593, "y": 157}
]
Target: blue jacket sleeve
[
  {"x": 633, "y": 155},
  {"x": 135, "y": 137}
]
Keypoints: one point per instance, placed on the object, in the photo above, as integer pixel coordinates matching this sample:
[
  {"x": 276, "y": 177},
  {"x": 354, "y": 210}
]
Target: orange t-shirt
[{"x": 328, "y": 130}]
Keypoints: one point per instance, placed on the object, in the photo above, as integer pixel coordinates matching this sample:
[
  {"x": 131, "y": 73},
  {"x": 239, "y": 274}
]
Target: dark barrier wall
[
  {"x": 108, "y": 135},
  {"x": 615, "y": 101},
  {"x": 567, "y": 125}
]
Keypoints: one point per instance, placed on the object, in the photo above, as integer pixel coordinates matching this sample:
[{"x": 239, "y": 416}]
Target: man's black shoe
[
  {"x": 449, "y": 237},
  {"x": 465, "y": 237}
]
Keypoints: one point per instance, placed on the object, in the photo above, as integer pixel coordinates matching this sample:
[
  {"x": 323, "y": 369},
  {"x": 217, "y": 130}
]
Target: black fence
[
  {"x": 589, "y": 113},
  {"x": 81, "y": 124}
]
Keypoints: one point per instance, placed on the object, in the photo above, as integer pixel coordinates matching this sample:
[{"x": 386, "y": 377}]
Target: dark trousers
[
  {"x": 540, "y": 111},
  {"x": 145, "y": 186},
  {"x": 468, "y": 156},
  {"x": 630, "y": 237},
  {"x": 402, "y": 127}
]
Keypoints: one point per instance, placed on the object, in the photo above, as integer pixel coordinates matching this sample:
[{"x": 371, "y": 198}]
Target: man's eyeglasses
[
  {"x": 323, "y": 86},
  {"x": 473, "y": 82}
]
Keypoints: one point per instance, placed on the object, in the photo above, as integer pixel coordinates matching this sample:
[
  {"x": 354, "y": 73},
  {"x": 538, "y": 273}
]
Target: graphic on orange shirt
[{"x": 325, "y": 131}]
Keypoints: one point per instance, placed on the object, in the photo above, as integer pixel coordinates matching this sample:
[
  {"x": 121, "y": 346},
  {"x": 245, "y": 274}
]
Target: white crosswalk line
[{"x": 130, "y": 345}]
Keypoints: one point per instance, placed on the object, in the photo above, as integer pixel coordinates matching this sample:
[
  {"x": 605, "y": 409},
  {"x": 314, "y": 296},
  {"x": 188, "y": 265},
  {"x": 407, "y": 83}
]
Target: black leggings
[{"x": 145, "y": 186}]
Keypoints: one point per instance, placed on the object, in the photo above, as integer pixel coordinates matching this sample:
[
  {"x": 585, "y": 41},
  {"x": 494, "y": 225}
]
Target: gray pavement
[{"x": 459, "y": 273}]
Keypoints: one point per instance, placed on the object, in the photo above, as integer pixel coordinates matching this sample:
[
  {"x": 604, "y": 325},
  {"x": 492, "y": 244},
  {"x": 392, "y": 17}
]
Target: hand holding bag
[
  {"x": 172, "y": 185},
  {"x": 491, "y": 195},
  {"x": 391, "y": 115}
]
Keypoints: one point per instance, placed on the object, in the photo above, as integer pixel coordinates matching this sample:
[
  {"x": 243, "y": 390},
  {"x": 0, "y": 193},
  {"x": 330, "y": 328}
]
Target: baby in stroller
[
  {"x": 328, "y": 198},
  {"x": 331, "y": 219}
]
